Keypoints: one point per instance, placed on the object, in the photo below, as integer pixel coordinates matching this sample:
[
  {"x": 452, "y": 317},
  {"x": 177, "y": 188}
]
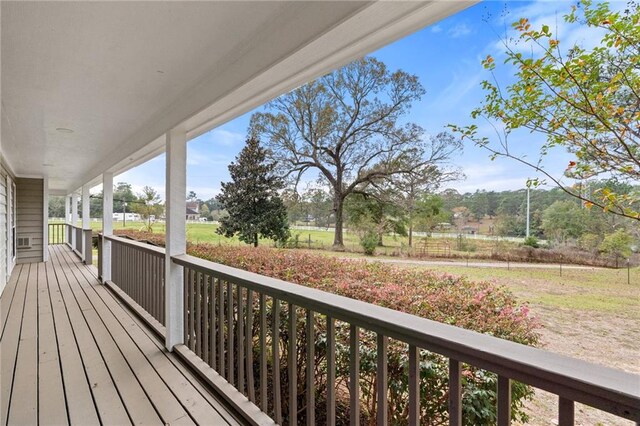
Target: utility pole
[
  {"x": 124, "y": 214},
  {"x": 528, "y": 210}
]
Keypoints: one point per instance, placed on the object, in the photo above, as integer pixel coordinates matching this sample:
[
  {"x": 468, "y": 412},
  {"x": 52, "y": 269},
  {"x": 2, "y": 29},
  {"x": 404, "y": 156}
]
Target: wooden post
[
  {"x": 107, "y": 224},
  {"x": 455, "y": 393},
  {"x": 176, "y": 190}
]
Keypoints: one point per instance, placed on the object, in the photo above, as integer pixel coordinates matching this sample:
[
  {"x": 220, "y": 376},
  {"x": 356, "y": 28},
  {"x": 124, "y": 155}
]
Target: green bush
[
  {"x": 531, "y": 242},
  {"x": 369, "y": 242},
  {"x": 293, "y": 241},
  {"x": 465, "y": 244}
]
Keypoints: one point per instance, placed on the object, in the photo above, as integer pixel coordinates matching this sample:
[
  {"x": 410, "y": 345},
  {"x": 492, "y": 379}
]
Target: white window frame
[{"x": 11, "y": 225}]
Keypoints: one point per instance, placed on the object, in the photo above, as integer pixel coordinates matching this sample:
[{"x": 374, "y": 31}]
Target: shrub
[
  {"x": 293, "y": 241},
  {"x": 479, "y": 306},
  {"x": 369, "y": 242},
  {"x": 148, "y": 237},
  {"x": 482, "y": 307},
  {"x": 589, "y": 242},
  {"x": 465, "y": 244},
  {"x": 617, "y": 245},
  {"x": 531, "y": 242}
]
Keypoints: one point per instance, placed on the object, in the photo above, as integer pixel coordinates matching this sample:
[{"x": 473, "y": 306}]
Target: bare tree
[
  {"x": 345, "y": 126},
  {"x": 427, "y": 173}
]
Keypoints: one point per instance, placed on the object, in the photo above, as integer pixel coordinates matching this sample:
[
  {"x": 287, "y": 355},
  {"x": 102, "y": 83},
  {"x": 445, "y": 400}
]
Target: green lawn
[
  {"x": 206, "y": 233},
  {"x": 588, "y": 290},
  {"x": 323, "y": 239}
]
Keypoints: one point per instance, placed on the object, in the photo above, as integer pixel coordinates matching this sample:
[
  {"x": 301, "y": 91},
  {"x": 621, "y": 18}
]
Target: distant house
[
  {"x": 128, "y": 216},
  {"x": 193, "y": 210}
]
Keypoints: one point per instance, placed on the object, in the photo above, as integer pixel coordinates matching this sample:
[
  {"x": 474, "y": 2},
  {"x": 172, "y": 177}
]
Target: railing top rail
[
  {"x": 158, "y": 251},
  {"x": 608, "y": 389},
  {"x": 78, "y": 228}
]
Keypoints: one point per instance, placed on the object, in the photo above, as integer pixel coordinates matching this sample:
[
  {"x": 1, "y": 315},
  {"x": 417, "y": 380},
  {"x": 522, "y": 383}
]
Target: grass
[
  {"x": 321, "y": 239},
  {"x": 206, "y": 233},
  {"x": 584, "y": 290}
]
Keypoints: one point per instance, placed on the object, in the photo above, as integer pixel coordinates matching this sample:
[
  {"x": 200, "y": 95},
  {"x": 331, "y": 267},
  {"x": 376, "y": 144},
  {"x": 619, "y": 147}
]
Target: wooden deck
[{"x": 71, "y": 353}]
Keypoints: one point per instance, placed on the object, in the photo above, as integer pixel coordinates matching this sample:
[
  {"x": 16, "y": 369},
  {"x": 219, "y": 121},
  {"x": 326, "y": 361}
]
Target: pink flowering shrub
[{"x": 479, "y": 306}]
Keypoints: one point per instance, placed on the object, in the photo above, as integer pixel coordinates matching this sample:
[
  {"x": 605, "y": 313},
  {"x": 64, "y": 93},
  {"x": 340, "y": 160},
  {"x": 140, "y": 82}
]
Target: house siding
[{"x": 30, "y": 221}]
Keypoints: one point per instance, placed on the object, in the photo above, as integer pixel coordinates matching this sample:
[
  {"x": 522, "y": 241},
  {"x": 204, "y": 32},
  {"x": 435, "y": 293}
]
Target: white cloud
[
  {"x": 499, "y": 184},
  {"x": 459, "y": 30},
  {"x": 197, "y": 158},
  {"x": 461, "y": 85},
  {"x": 436, "y": 29},
  {"x": 226, "y": 137},
  {"x": 491, "y": 176}
]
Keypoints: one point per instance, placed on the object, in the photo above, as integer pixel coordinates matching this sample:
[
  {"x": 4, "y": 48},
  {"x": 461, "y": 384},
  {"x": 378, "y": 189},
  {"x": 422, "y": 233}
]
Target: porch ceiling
[{"x": 119, "y": 75}]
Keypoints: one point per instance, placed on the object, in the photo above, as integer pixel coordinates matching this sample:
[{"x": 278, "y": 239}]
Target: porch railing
[
  {"x": 138, "y": 270},
  {"x": 242, "y": 325},
  {"x": 57, "y": 233},
  {"x": 61, "y": 233}
]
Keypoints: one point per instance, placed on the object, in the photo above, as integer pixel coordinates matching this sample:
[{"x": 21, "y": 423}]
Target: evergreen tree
[{"x": 251, "y": 199}]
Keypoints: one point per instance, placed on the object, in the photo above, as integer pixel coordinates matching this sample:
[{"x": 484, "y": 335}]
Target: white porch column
[
  {"x": 66, "y": 209},
  {"x": 86, "y": 212},
  {"x": 107, "y": 224},
  {"x": 175, "y": 206},
  {"x": 74, "y": 219}
]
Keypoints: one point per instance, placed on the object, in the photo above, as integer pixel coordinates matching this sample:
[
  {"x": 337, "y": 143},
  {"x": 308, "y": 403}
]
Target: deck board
[
  {"x": 72, "y": 353},
  {"x": 5, "y": 302},
  {"x": 186, "y": 389},
  {"x": 51, "y": 400},
  {"x": 78, "y": 396},
  {"x": 10, "y": 340},
  {"x": 109, "y": 405},
  {"x": 135, "y": 400},
  {"x": 159, "y": 395},
  {"x": 24, "y": 398}
]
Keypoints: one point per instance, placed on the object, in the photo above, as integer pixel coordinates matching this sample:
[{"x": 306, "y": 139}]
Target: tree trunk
[
  {"x": 255, "y": 240},
  {"x": 338, "y": 205}
]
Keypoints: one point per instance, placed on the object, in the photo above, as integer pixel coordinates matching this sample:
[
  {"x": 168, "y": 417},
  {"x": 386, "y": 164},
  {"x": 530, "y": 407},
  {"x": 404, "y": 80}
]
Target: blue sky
[{"x": 446, "y": 57}]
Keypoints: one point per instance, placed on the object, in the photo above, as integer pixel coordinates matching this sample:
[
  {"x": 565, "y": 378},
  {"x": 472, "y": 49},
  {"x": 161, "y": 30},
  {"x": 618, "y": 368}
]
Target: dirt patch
[
  {"x": 589, "y": 315},
  {"x": 606, "y": 339}
]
